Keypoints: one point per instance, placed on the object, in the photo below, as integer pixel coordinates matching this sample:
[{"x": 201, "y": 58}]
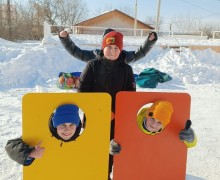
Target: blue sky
[{"x": 205, "y": 10}]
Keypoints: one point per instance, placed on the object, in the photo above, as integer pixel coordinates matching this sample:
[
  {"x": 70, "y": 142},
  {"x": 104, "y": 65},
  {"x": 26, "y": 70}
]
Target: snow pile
[
  {"x": 25, "y": 65},
  {"x": 34, "y": 66},
  {"x": 188, "y": 66}
]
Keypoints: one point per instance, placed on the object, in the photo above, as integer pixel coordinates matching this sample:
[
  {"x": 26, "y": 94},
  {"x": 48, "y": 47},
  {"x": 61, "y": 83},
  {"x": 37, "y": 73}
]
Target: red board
[{"x": 159, "y": 157}]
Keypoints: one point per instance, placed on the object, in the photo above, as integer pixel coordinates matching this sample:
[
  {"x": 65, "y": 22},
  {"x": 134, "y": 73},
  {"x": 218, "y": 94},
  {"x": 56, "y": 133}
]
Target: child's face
[
  {"x": 66, "y": 130},
  {"x": 111, "y": 52},
  {"x": 153, "y": 125}
]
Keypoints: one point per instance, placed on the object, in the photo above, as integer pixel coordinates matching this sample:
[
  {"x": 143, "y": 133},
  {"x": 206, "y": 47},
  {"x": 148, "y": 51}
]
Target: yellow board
[
  {"x": 83, "y": 159},
  {"x": 155, "y": 157}
]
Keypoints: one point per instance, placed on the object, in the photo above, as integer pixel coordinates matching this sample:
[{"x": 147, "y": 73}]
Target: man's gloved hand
[
  {"x": 187, "y": 134},
  {"x": 115, "y": 148}
]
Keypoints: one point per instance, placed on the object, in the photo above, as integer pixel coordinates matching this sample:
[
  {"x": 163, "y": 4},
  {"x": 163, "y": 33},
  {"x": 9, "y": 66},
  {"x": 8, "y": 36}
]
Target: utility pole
[
  {"x": 135, "y": 18},
  {"x": 158, "y": 16},
  {"x": 9, "y": 19}
]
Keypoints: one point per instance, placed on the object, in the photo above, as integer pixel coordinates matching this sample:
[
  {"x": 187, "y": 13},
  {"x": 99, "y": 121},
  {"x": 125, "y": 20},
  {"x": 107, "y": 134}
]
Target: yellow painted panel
[{"x": 83, "y": 159}]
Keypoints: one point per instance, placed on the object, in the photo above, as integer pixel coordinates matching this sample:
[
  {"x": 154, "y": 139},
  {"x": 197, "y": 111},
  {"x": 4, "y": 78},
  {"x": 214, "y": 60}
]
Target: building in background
[{"x": 113, "y": 19}]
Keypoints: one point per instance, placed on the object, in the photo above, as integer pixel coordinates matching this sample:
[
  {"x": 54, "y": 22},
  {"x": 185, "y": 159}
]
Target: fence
[
  {"x": 100, "y": 30},
  {"x": 55, "y": 29},
  {"x": 176, "y": 36},
  {"x": 216, "y": 35}
]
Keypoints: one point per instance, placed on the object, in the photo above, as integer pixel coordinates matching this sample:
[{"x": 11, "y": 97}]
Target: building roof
[{"x": 105, "y": 17}]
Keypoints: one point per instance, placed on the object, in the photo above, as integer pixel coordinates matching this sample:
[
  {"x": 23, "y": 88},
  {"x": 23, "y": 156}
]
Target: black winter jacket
[
  {"x": 102, "y": 75},
  {"x": 86, "y": 55}
]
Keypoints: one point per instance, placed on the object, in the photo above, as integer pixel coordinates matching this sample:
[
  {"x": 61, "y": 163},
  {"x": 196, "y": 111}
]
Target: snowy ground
[{"x": 33, "y": 67}]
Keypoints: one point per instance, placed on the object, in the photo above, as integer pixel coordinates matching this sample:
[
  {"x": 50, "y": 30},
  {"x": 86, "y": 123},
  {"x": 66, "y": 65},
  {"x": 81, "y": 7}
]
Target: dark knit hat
[
  {"x": 107, "y": 31},
  {"x": 113, "y": 38},
  {"x": 67, "y": 113}
]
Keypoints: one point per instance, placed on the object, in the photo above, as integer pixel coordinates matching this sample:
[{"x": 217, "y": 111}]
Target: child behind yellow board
[{"x": 64, "y": 124}]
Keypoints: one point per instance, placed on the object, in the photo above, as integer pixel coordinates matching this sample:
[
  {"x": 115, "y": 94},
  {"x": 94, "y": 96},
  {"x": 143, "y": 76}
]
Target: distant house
[{"x": 113, "y": 19}]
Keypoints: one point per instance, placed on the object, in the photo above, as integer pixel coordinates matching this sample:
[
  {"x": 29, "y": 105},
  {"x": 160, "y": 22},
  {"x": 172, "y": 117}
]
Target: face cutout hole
[
  {"x": 152, "y": 118},
  {"x": 146, "y": 124},
  {"x": 67, "y": 122}
]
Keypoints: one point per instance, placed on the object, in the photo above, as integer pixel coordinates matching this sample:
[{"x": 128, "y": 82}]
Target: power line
[
  {"x": 210, "y": 15},
  {"x": 207, "y": 10}
]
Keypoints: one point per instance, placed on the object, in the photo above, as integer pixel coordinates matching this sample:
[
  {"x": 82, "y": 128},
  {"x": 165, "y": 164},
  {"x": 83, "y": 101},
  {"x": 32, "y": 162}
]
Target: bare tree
[
  {"x": 61, "y": 11},
  {"x": 72, "y": 12},
  {"x": 152, "y": 20},
  {"x": 7, "y": 19},
  {"x": 185, "y": 23},
  {"x": 31, "y": 15},
  {"x": 208, "y": 29},
  {"x": 3, "y": 19},
  {"x": 25, "y": 22}
]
